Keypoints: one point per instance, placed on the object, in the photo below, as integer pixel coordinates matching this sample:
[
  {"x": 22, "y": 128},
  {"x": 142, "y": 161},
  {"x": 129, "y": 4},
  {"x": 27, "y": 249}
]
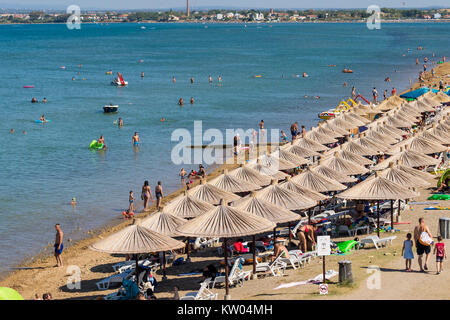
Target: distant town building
[
  {"x": 219, "y": 16},
  {"x": 437, "y": 16},
  {"x": 258, "y": 16}
]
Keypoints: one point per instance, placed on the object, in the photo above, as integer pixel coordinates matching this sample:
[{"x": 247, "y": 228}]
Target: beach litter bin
[
  {"x": 345, "y": 271},
  {"x": 444, "y": 227}
]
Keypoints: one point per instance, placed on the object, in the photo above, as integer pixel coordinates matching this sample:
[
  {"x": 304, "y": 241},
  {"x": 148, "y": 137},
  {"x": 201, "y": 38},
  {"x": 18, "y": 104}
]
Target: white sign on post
[{"x": 323, "y": 246}]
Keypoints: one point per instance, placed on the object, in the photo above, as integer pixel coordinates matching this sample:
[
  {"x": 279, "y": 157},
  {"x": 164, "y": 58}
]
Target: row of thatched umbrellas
[{"x": 270, "y": 203}]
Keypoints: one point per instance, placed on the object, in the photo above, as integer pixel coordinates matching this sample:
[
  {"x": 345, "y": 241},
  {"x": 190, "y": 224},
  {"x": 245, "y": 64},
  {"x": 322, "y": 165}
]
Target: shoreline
[
  {"x": 79, "y": 247},
  {"x": 235, "y": 22}
]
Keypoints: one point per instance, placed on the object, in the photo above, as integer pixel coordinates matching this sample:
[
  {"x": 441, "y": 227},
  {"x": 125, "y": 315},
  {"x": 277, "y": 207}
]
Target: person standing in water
[
  {"x": 192, "y": 80},
  {"x": 131, "y": 201},
  {"x": 174, "y": 80},
  {"x": 180, "y": 102},
  {"x": 353, "y": 92},
  {"x": 159, "y": 194},
  {"x": 192, "y": 100},
  {"x": 120, "y": 122},
  {"x": 375, "y": 95},
  {"x": 146, "y": 194},
  {"x": 182, "y": 176},
  {"x": 136, "y": 139},
  {"x": 58, "y": 245},
  {"x": 210, "y": 79}
]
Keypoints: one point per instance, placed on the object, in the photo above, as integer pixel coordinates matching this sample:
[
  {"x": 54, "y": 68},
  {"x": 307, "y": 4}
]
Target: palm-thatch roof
[
  {"x": 163, "y": 222},
  {"x": 344, "y": 166},
  {"x": 317, "y": 182},
  {"x": 211, "y": 194},
  {"x": 232, "y": 184},
  {"x": 248, "y": 174},
  {"x": 187, "y": 206}
]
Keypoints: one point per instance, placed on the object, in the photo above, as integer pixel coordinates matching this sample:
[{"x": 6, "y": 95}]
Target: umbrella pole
[
  {"x": 398, "y": 212},
  {"x": 320, "y": 207},
  {"x": 378, "y": 218},
  {"x": 188, "y": 257},
  {"x": 136, "y": 270},
  {"x": 225, "y": 252},
  {"x": 254, "y": 257},
  {"x": 274, "y": 234},
  {"x": 392, "y": 215},
  {"x": 289, "y": 230},
  {"x": 164, "y": 266},
  {"x": 309, "y": 216}
]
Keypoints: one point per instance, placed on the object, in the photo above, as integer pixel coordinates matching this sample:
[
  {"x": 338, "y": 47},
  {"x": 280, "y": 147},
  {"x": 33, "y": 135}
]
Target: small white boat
[{"x": 119, "y": 81}]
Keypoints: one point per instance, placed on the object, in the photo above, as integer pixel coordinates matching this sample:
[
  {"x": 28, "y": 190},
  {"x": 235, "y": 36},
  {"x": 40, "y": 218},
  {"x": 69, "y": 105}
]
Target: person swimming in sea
[
  {"x": 11, "y": 131},
  {"x": 174, "y": 80},
  {"x": 45, "y": 100},
  {"x": 101, "y": 140},
  {"x": 162, "y": 119},
  {"x": 210, "y": 79},
  {"x": 305, "y": 75},
  {"x": 181, "y": 102},
  {"x": 136, "y": 139},
  {"x": 42, "y": 118},
  {"x": 192, "y": 80},
  {"x": 34, "y": 100},
  {"x": 192, "y": 100}
]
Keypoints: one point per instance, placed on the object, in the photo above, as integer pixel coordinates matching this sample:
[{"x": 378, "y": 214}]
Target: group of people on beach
[{"x": 423, "y": 242}]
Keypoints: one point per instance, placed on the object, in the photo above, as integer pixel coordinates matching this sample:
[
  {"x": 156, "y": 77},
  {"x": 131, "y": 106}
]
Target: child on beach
[
  {"x": 407, "y": 252},
  {"x": 131, "y": 200},
  {"x": 439, "y": 250}
]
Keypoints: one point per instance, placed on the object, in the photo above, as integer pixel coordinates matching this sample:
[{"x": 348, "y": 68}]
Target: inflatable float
[
  {"x": 40, "y": 121},
  {"x": 95, "y": 145},
  {"x": 28, "y": 87}
]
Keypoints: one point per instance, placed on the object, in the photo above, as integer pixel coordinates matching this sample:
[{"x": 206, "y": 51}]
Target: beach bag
[
  {"x": 425, "y": 239},
  {"x": 178, "y": 261}
]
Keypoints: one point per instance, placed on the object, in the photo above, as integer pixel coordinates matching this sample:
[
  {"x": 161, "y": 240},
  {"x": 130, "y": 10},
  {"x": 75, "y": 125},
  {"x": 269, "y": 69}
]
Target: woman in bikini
[
  {"x": 146, "y": 195},
  {"x": 306, "y": 234}
]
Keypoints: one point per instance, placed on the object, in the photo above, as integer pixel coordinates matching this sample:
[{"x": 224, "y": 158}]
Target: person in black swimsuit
[{"x": 158, "y": 194}]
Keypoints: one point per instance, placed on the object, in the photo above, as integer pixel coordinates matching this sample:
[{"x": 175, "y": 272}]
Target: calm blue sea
[{"x": 41, "y": 171}]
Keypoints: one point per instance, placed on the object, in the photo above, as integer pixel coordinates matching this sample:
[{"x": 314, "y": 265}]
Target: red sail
[{"x": 120, "y": 79}]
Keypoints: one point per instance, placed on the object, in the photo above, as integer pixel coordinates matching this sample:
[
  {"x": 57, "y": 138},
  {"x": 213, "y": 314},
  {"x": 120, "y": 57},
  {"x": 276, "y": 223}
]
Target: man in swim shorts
[
  {"x": 58, "y": 245},
  {"x": 421, "y": 249},
  {"x": 136, "y": 139}
]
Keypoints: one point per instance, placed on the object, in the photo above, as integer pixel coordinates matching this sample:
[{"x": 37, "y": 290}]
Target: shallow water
[{"x": 41, "y": 171}]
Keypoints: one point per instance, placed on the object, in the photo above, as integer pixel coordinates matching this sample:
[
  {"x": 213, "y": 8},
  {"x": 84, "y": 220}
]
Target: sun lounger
[
  {"x": 377, "y": 242},
  {"x": 235, "y": 277},
  {"x": 202, "y": 294},
  {"x": 104, "y": 284},
  {"x": 276, "y": 268}
]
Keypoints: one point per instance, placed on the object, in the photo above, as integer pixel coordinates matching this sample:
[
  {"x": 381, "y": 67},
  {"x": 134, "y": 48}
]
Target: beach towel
[
  {"x": 437, "y": 208},
  {"x": 316, "y": 280},
  {"x": 439, "y": 196}
]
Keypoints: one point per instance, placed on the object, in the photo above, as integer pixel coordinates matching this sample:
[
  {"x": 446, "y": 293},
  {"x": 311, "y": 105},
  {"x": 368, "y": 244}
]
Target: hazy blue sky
[{"x": 154, "y": 4}]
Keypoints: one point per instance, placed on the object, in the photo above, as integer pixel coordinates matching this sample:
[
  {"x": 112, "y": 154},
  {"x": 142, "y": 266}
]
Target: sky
[{"x": 165, "y": 4}]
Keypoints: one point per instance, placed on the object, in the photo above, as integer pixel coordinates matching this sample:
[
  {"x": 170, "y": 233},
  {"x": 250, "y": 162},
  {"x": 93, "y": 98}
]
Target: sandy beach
[{"x": 40, "y": 275}]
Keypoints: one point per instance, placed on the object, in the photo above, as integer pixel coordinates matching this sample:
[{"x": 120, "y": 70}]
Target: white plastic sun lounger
[
  {"x": 377, "y": 242},
  {"x": 202, "y": 294},
  {"x": 276, "y": 268},
  {"x": 104, "y": 284}
]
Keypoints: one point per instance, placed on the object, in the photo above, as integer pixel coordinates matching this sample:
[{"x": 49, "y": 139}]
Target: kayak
[
  {"x": 40, "y": 121},
  {"x": 95, "y": 145}
]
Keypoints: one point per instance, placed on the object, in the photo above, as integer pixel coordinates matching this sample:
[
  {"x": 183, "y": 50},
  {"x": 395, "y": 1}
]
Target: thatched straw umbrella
[
  {"x": 370, "y": 143},
  {"x": 344, "y": 166},
  {"x": 402, "y": 178},
  {"x": 300, "y": 151},
  {"x": 317, "y": 182},
  {"x": 383, "y": 128},
  {"x": 419, "y": 144},
  {"x": 321, "y": 129},
  {"x": 349, "y": 156},
  {"x": 396, "y": 122},
  {"x": 264, "y": 170},
  {"x": 211, "y": 194},
  {"x": 331, "y": 173},
  {"x": 187, "y": 206},
  {"x": 330, "y": 126},
  {"x": 319, "y": 137},
  {"x": 353, "y": 147},
  {"x": 422, "y": 106},
  {"x": 417, "y": 173},
  {"x": 441, "y": 97},
  {"x": 163, "y": 223},
  {"x": 408, "y": 158},
  {"x": 432, "y": 137},
  {"x": 136, "y": 239},
  {"x": 226, "y": 222},
  {"x": 353, "y": 117},
  {"x": 232, "y": 184},
  {"x": 291, "y": 157},
  {"x": 378, "y": 189},
  {"x": 310, "y": 144},
  {"x": 267, "y": 211},
  {"x": 284, "y": 198},
  {"x": 273, "y": 161},
  {"x": 439, "y": 132},
  {"x": 288, "y": 184},
  {"x": 378, "y": 136},
  {"x": 248, "y": 174}
]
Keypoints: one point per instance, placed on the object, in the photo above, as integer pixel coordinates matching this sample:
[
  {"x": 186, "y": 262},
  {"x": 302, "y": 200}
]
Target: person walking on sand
[
  {"x": 440, "y": 252},
  {"x": 159, "y": 194},
  {"x": 393, "y": 92},
  {"x": 384, "y": 94},
  {"x": 353, "y": 93},
  {"x": 407, "y": 252},
  {"x": 303, "y": 132},
  {"x": 58, "y": 245},
  {"x": 421, "y": 248},
  {"x": 236, "y": 140},
  {"x": 146, "y": 194}
]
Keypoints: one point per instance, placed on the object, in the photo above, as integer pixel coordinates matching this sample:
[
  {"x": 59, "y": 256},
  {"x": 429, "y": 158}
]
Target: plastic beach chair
[
  {"x": 202, "y": 294},
  {"x": 377, "y": 242}
]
